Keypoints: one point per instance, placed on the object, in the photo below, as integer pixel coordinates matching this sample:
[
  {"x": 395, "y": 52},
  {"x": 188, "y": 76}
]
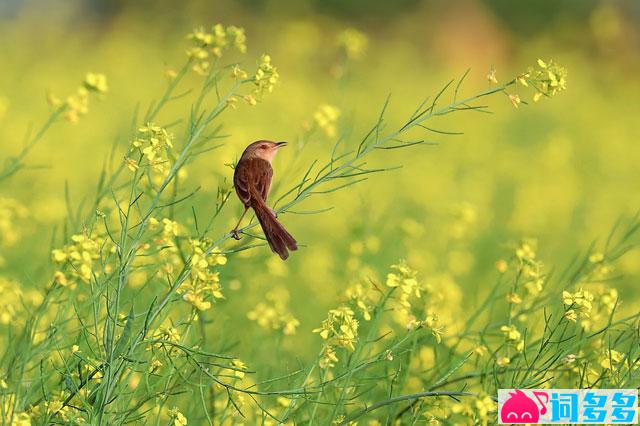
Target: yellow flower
[
  {"x": 233, "y": 102},
  {"x": 11, "y": 213},
  {"x": 511, "y": 332},
  {"x": 264, "y": 80},
  {"x": 153, "y": 143},
  {"x": 275, "y": 315},
  {"x": 580, "y": 306},
  {"x": 492, "y": 76},
  {"x": 170, "y": 73},
  {"x": 77, "y": 106},
  {"x": 237, "y": 38},
  {"x": 96, "y": 82},
  {"x": 329, "y": 358},
  {"x": 480, "y": 350},
  {"x": 609, "y": 299},
  {"x": 596, "y": 258},
  {"x": 339, "y": 329},
  {"x": 522, "y": 79},
  {"x": 353, "y": 42},
  {"x": 169, "y": 228},
  {"x": 80, "y": 254},
  {"x": 485, "y": 405},
  {"x": 237, "y": 72},
  {"x": 178, "y": 418},
  {"x": 250, "y": 99},
  {"x": 549, "y": 78},
  {"x": 571, "y": 315},
  {"x": 132, "y": 164},
  {"x": 581, "y": 298},
  {"x": 53, "y": 100},
  {"x": 326, "y": 117},
  {"x": 283, "y": 402},
  {"x": 515, "y": 100},
  {"x": 363, "y": 298},
  {"x": 610, "y": 359},
  {"x": 168, "y": 333},
  {"x": 21, "y": 419},
  {"x": 214, "y": 42},
  {"x": 236, "y": 363},
  {"x": 154, "y": 365},
  {"x": 514, "y": 299},
  {"x": 526, "y": 251},
  {"x": 503, "y": 361},
  {"x": 59, "y": 255},
  {"x": 54, "y": 406},
  {"x": 203, "y": 284}
]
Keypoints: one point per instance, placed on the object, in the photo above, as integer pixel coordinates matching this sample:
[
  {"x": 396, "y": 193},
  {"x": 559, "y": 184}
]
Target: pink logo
[{"x": 519, "y": 408}]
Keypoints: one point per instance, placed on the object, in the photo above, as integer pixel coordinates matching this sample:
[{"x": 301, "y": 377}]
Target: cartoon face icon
[{"x": 519, "y": 408}]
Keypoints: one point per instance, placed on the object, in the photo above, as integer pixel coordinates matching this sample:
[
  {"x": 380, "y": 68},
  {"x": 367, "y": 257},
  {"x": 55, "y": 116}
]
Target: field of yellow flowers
[{"x": 465, "y": 206}]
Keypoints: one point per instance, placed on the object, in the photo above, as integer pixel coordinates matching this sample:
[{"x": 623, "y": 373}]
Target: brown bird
[{"x": 252, "y": 180}]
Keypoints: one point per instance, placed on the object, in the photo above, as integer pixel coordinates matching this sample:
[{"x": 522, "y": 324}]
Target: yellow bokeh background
[{"x": 562, "y": 170}]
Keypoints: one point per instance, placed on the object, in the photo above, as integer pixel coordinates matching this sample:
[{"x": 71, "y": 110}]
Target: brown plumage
[{"x": 252, "y": 180}]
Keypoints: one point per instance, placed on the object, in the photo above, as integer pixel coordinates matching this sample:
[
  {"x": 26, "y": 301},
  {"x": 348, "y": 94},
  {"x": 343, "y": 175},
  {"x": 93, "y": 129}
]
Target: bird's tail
[{"x": 278, "y": 238}]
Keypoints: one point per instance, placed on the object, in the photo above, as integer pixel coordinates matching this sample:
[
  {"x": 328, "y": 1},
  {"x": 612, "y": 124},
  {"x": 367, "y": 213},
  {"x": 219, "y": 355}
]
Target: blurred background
[{"x": 561, "y": 171}]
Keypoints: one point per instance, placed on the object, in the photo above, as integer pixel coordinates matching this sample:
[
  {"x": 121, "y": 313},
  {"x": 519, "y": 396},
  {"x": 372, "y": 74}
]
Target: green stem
[{"x": 13, "y": 164}]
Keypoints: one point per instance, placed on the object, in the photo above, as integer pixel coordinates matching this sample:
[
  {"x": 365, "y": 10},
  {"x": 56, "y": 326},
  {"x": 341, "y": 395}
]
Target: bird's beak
[{"x": 280, "y": 144}]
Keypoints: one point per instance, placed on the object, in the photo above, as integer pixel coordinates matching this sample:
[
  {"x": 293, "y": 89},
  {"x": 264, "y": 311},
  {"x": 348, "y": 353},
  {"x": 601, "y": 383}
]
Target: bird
[{"x": 252, "y": 181}]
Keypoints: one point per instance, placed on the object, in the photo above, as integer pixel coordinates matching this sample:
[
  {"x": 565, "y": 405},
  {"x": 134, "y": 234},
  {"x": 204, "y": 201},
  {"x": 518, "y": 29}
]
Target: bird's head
[{"x": 265, "y": 150}]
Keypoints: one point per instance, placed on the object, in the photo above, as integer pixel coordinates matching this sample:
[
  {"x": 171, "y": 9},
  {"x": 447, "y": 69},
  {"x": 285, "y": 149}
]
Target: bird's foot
[
  {"x": 235, "y": 234},
  {"x": 275, "y": 213}
]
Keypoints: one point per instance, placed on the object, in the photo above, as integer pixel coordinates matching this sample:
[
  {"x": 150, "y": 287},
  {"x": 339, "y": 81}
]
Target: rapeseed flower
[
  {"x": 363, "y": 298},
  {"x": 515, "y": 100},
  {"x": 491, "y": 76},
  {"x": 326, "y": 118},
  {"x": 153, "y": 143},
  {"x": 264, "y": 80},
  {"x": 581, "y": 299},
  {"x": 80, "y": 254},
  {"x": 547, "y": 78},
  {"x": 406, "y": 280},
  {"x": 11, "y": 212},
  {"x": 96, "y": 82},
  {"x": 274, "y": 313},
  {"x": 611, "y": 359},
  {"x": 77, "y": 104},
  {"x": 340, "y": 329},
  {"x": 178, "y": 419},
  {"x": 209, "y": 45},
  {"x": 203, "y": 285},
  {"x": 354, "y": 43},
  {"x": 11, "y": 305},
  {"x": 238, "y": 364}
]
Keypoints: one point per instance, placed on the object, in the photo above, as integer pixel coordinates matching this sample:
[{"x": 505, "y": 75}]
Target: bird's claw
[
  {"x": 235, "y": 234},
  {"x": 275, "y": 213}
]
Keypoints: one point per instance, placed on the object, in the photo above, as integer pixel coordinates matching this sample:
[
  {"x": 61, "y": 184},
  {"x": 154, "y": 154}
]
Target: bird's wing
[
  {"x": 253, "y": 179},
  {"x": 241, "y": 181},
  {"x": 265, "y": 174}
]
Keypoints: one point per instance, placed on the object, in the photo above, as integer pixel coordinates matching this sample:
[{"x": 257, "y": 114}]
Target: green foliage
[{"x": 139, "y": 321}]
